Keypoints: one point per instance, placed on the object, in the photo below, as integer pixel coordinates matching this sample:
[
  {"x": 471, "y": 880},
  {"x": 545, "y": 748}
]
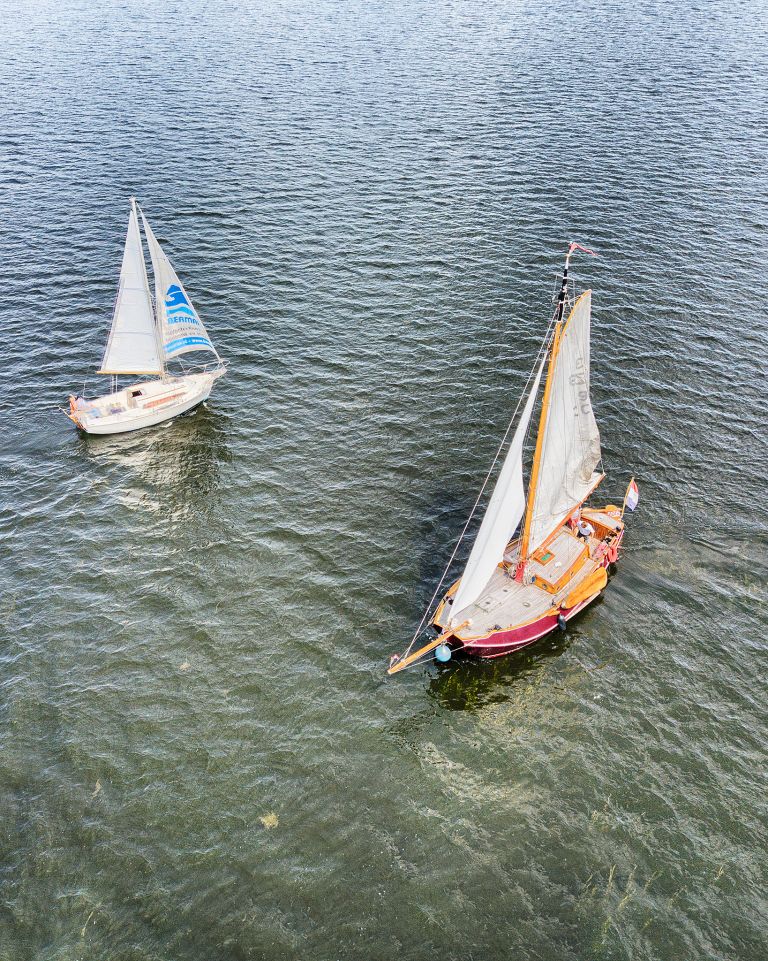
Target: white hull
[{"x": 142, "y": 404}]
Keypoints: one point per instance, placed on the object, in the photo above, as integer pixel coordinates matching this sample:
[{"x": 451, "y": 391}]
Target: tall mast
[
  {"x": 158, "y": 330},
  {"x": 553, "y": 351}
]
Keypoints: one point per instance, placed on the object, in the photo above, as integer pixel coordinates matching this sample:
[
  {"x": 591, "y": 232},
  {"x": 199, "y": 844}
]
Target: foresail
[
  {"x": 504, "y": 512},
  {"x": 570, "y": 450},
  {"x": 132, "y": 347},
  {"x": 181, "y": 329}
]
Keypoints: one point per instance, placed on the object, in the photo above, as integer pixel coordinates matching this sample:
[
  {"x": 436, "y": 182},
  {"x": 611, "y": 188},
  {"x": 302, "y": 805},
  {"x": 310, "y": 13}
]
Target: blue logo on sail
[
  {"x": 184, "y": 343},
  {"x": 177, "y": 307},
  {"x": 183, "y": 329}
]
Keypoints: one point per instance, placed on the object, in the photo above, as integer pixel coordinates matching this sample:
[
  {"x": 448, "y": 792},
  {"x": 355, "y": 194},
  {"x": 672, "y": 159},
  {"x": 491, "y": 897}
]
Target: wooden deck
[
  {"x": 506, "y": 604},
  {"x": 553, "y": 562}
]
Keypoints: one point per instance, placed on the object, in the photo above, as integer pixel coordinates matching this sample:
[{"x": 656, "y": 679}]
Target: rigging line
[
  {"x": 542, "y": 350},
  {"x": 529, "y": 429}
]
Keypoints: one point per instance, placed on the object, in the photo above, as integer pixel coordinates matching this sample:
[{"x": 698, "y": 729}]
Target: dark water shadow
[
  {"x": 436, "y": 539},
  {"x": 469, "y": 683}
]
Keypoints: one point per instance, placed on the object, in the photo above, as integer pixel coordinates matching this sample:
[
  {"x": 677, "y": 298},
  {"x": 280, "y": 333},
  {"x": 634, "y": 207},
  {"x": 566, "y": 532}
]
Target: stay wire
[{"x": 542, "y": 350}]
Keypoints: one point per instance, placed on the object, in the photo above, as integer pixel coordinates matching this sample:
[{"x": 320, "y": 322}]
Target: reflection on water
[
  {"x": 468, "y": 684},
  {"x": 173, "y": 467}
]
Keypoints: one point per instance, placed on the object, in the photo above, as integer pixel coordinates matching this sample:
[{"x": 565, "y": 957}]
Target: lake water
[{"x": 201, "y": 755}]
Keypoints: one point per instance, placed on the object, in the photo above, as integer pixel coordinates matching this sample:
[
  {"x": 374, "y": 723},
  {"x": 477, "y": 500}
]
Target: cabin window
[
  {"x": 135, "y": 393},
  {"x": 545, "y": 557}
]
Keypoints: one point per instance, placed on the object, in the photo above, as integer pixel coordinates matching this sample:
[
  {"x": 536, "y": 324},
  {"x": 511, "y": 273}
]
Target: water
[{"x": 368, "y": 204}]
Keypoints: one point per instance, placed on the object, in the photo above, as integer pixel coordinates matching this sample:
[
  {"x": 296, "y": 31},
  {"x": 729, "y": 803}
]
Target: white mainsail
[
  {"x": 570, "y": 450},
  {"x": 181, "y": 329},
  {"x": 504, "y": 512},
  {"x": 132, "y": 347}
]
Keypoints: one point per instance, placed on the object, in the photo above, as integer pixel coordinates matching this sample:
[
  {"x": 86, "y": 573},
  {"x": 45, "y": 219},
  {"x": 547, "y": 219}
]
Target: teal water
[{"x": 200, "y": 755}]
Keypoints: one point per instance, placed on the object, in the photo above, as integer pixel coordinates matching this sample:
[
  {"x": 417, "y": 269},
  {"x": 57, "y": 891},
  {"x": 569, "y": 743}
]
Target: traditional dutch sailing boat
[
  {"x": 144, "y": 337},
  {"x": 519, "y": 585}
]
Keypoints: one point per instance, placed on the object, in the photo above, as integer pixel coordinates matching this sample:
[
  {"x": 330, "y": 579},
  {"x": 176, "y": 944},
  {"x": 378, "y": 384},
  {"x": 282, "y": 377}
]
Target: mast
[
  {"x": 543, "y": 416},
  {"x": 554, "y": 351},
  {"x": 156, "y": 311}
]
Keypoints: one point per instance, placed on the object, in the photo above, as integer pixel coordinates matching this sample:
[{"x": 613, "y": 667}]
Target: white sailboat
[{"x": 144, "y": 338}]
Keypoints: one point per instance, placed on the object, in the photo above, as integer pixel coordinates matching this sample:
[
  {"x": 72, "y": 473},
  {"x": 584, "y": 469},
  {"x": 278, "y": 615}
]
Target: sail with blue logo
[{"x": 181, "y": 329}]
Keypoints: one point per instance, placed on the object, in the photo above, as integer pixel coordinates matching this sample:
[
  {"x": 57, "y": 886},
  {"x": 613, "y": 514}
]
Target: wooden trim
[
  {"x": 510, "y": 627},
  {"x": 539, "y": 445},
  {"x": 554, "y": 587},
  {"x": 130, "y": 373},
  {"x": 404, "y": 662},
  {"x": 164, "y": 399},
  {"x": 442, "y": 605}
]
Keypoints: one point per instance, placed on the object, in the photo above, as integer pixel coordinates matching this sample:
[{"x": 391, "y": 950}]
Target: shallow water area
[{"x": 368, "y": 204}]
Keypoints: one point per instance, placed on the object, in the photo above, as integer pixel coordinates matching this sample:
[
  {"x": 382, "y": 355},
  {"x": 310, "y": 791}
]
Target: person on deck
[{"x": 584, "y": 529}]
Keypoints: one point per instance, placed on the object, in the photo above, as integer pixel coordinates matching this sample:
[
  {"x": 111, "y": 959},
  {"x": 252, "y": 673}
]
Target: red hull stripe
[{"x": 505, "y": 642}]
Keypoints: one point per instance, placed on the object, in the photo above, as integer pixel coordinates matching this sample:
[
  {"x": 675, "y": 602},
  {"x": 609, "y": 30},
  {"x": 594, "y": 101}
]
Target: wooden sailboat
[
  {"x": 522, "y": 581},
  {"x": 144, "y": 339}
]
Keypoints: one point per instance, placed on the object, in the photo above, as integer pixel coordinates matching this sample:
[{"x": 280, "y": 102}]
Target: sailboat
[
  {"x": 539, "y": 558},
  {"x": 146, "y": 336}
]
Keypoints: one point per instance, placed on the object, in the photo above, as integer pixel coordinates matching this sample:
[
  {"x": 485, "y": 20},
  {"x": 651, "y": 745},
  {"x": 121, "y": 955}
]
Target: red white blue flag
[{"x": 632, "y": 496}]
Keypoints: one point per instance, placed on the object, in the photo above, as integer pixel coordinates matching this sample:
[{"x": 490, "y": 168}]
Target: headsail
[
  {"x": 505, "y": 509},
  {"x": 132, "y": 347},
  {"x": 570, "y": 444},
  {"x": 181, "y": 329}
]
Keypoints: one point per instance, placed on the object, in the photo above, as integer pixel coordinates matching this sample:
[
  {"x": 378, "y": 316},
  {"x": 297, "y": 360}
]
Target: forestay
[
  {"x": 132, "y": 347},
  {"x": 570, "y": 451},
  {"x": 181, "y": 329},
  {"x": 504, "y": 512}
]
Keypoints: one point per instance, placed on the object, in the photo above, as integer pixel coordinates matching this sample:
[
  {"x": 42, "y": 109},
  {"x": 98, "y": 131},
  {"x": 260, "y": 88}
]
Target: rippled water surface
[{"x": 201, "y": 756}]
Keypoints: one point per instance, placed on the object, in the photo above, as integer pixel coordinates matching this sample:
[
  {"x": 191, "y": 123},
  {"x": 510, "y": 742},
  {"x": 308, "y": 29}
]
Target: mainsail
[
  {"x": 132, "y": 347},
  {"x": 181, "y": 330},
  {"x": 569, "y": 448},
  {"x": 505, "y": 509}
]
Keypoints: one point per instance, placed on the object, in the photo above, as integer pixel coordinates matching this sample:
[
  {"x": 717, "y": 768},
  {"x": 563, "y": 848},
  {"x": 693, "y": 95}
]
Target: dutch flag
[{"x": 632, "y": 496}]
